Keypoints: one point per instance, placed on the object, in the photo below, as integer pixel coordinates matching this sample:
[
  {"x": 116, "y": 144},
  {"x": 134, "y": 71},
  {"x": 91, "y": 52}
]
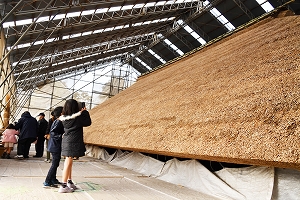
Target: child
[
  {"x": 54, "y": 147},
  {"x": 9, "y": 139}
]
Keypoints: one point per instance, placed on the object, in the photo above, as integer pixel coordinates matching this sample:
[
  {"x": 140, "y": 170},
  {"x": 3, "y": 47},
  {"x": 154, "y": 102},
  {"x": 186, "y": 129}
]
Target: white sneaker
[
  {"x": 70, "y": 184},
  {"x": 19, "y": 156},
  {"x": 65, "y": 189}
]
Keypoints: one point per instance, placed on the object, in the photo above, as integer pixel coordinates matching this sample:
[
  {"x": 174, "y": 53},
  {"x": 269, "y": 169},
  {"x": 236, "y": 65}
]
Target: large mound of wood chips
[{"x": 237, "y": 101}]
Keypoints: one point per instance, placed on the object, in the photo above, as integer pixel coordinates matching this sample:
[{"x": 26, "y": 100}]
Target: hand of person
[{"x": 47, "y": 136}]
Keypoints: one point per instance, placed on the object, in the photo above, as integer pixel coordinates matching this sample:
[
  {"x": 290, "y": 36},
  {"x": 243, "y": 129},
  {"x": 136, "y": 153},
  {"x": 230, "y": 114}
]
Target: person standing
[
  {"x": 54, "y": 147},
  {"x": 73, "y": 119},
  {"x": 39, "y": 145},
  {"x": 47, "y": 136},
  {"x": 28, "y": 127},
  {"x": 9, "y": 139}
]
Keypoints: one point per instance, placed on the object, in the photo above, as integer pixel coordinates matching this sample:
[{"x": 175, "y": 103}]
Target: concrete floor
[{"x": 23, "y": 179}]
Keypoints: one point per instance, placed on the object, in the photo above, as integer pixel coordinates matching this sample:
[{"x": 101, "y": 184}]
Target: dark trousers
[
  {"x": 51, "y": 176},
  {"x": 24, "y": 146},
  {"x": 39, "y": 147},
  {"x": 48, "y": 153}
]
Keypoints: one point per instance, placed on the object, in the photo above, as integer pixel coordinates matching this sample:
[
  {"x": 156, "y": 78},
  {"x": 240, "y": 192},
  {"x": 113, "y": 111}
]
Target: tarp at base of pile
[{"x": 247, "y": 183}]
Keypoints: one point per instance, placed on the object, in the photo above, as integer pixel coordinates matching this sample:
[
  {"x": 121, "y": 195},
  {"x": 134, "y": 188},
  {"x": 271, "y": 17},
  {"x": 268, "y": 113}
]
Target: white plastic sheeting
[
  {"x": 192, "y": 174},
  {"x": 287, "y": 184},
  {"x": 248, "y": 183},
  {"x": 253, "y": 182},
  {"x": 140, "y": 163}
]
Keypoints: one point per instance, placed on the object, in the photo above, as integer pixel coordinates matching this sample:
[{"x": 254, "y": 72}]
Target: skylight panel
[
  {"x": 188, "y": 29},
  {"x": 160, "y": 3},
  {"x": 39, "y": 42},
  {"x": 90, "y": 32},
  {"x": 87, "y": 33},
  {"x": 51, "y": 39},
  {"x": 265, "y": 5},
  {"x": 73, "y": 14},
  {"x": 169, "y": 2},
  {"x": 99, "y": 31},
  {"x": 87, "y": 12},
  {"x": 220, "y": 17},
  {"x": 164, "y": 19},
  {"x": 127, "y": 7},
  {"x": 18, "y": 23},
  {"x": 77, "y": 49},
  {"x": 173, "y": 46},
  {"x": 101, "y": 10},
  {"x": 65, "y": 37},
  {"x": 31, "y": 70},
  {"x": 119, "y": 27},
  {"x": 142, "y": 62},
  {"x": 153, "y": 21},
  {"x": 108, "y": 29},
  {"x": 147, "y": 22},
  {"x": 75, "y": 35},
  {"x": 156, "y": 56},
  {"x": 24, "y": 45},
  {"x": 215, "y": 12},
  {"x": 112, "y": 9},
  {"x": 124, "y": 47},
  {"x": 185, "y": 1},
  {"x": 226, "y": 23},
  {"x": 151, "y": 4},
  {"x": 8, "y": 24},
  {"x": 137, "y": 24},
  {"x": 43, "y": 19},
  {"x": 193, "y": 33},
  {"x": 140, "y": 5},
  {"x": 59, "y": 16}
]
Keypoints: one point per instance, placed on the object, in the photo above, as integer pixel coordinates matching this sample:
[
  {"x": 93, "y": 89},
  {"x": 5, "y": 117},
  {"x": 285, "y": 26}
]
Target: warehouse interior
[
  {"x": 99, "y": 48},
  {"x": 100, "y": 51}
]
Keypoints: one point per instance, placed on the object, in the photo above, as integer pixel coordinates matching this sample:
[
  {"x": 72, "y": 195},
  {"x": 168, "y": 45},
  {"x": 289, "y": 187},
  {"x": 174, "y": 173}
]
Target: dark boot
[
  {"x": 8, "y": 156},
  {"x": 4, "y": 155}
]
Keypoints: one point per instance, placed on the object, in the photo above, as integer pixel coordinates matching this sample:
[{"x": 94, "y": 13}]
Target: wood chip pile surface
[{"x": 236, "y": 101}]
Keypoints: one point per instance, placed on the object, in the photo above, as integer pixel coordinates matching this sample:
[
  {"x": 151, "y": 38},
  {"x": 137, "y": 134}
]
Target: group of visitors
[
  {"x": 28, "y": 130},
  {"x": 64, "y": 133}
]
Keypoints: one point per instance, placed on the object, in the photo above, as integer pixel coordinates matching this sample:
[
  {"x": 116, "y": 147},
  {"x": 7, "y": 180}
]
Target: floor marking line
[
  {"x": 137, "y": 182},
  {"x": 86, "y": 193}
]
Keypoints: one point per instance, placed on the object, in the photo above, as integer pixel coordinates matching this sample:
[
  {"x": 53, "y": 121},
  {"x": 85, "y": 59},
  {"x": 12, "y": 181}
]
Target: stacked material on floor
[
  {"x": 255, "y": 182},
  {"x": 235, "y": 101}
]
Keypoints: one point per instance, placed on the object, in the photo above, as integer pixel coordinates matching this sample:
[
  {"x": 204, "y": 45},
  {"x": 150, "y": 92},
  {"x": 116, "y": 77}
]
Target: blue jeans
[{"x": 51, "y": 176}]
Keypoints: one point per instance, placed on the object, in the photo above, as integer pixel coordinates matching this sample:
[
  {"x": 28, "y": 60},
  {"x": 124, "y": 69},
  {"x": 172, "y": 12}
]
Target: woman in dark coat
[{"x": 73, "y": 146}]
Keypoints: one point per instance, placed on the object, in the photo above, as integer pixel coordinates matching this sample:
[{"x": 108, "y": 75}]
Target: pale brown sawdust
[{"x": 237, "y": 100}]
